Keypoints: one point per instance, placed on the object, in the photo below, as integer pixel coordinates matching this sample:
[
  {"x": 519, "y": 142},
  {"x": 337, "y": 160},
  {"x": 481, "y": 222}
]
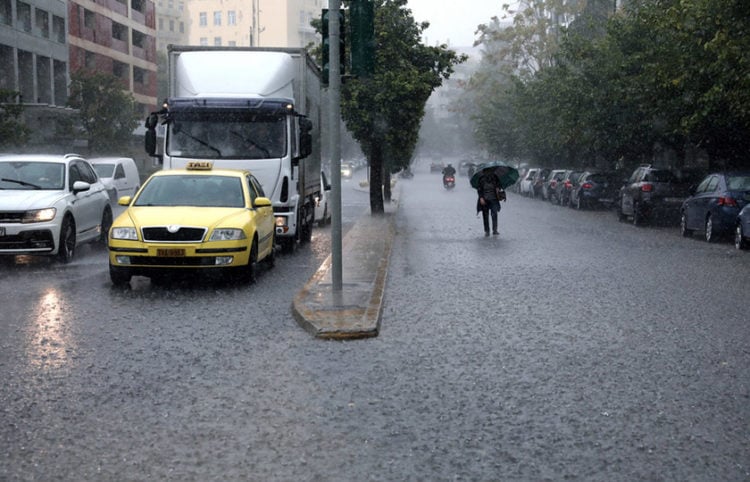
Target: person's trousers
[{"x": 490, "y": 210}]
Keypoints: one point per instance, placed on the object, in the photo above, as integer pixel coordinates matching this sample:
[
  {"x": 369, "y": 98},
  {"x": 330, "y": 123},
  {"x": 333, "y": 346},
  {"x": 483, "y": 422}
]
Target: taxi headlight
[
  {"x": 227, "y": 234},
  {"x": 124, "y": 233},
  {"x": 39, "y": 215}
]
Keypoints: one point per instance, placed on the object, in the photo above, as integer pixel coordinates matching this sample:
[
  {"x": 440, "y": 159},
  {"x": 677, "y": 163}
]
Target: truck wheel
[
  {"x": 306, "y": 227},
  {"x": 288, "y": 244}
]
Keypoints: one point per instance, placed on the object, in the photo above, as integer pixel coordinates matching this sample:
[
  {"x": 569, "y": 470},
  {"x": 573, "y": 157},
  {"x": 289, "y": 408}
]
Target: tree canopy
[
  {"x": 384, "y": 112},
  {"x": 107, "y": 113},
  {"x": 12, "y": 130},
  {"x": 658, "y": 74}
]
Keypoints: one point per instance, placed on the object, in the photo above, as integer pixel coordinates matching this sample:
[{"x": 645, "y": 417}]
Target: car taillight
[
  {"x": 727, "y": 201},
  {"x": 646, "y": 187},
  {"x": 553, "y": 184},
  {"x": 587, "y": 185},
  {"x": 568, "y": 184}
]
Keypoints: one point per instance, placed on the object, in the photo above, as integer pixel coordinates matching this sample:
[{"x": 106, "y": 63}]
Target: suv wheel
[
  {"x": 67, "y": 241},
  {"x": 637, "y": 216},
  {"x": 684, "y": 231},
  {"x": 711, "y": 234},
  {"x": 739, "y": 238}
]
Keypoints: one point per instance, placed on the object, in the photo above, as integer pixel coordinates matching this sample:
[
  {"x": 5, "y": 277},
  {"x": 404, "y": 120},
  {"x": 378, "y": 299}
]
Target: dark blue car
[
  {"x": 742, "y": 230},
  {"x": 715, "y": 204},
  {"x": 595, "y": 189}
]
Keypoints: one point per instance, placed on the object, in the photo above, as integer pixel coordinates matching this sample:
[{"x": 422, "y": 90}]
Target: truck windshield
[{"x": 227, "y": 137}]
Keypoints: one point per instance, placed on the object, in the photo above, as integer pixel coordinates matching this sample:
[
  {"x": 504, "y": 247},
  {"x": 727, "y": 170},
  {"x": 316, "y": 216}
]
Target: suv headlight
[
  {"x": 124, "y": 233},
  {"x": 39, "y": 215},
  {"x": 227, "y": 234}
]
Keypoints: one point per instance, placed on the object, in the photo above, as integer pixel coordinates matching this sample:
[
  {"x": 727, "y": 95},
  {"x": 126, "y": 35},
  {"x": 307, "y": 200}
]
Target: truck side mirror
[
  {"x": 305, "y": 137},
  {"x": 150, "y": 137}
]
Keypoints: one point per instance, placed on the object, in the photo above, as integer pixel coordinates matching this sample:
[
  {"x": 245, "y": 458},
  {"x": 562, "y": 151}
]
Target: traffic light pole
[{"x": 334, "y": 96}]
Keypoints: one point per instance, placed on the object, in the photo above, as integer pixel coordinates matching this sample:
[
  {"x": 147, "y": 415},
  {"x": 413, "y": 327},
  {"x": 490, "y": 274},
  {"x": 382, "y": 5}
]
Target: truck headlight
[
  {"x": 39, "y": 215},
  {"x": 227, "y": 234},
  {"x": 124, "y": 233}
]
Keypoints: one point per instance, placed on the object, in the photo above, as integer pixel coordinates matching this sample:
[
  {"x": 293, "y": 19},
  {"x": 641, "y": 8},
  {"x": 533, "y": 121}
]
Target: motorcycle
[{"x": 449, "y": 181}]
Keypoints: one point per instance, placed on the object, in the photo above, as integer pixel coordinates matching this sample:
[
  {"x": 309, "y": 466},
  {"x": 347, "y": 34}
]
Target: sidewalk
[{"x": 355, "y": 311}]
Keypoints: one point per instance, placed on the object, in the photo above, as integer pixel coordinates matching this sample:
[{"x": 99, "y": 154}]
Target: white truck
[{"x": 248, "y": 108}]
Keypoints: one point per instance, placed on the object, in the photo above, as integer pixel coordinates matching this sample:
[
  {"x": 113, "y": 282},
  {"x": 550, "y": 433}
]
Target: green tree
[
  {"x": 12, "y": 130},
  {"x": 384, "y": 112},
  {"x": 107, "y": 113}
]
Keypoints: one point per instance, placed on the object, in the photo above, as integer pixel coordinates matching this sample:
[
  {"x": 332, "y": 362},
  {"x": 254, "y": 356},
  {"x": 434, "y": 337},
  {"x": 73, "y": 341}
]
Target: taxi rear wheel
[{"x": 270, "y": 259}]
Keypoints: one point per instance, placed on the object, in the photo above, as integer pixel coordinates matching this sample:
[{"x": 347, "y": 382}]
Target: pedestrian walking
[{"x": 490, "y": 194}]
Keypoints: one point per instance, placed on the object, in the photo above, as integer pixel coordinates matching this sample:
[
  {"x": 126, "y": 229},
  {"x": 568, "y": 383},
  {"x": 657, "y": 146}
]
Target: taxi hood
[{"x": 180, "y": 215}]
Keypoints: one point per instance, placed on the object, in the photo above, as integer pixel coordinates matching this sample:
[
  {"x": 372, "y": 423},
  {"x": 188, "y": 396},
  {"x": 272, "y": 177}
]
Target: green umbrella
[{"x": 507, "y": 174}]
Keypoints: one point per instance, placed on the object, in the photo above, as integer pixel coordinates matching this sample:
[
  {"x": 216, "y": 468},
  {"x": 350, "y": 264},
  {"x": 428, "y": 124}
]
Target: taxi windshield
[
  {"x": 227, "y": 137},
  {"x": 192, "y": 190}
]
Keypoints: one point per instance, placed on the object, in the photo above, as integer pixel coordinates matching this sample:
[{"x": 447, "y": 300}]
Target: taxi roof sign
[{"x": 199, "y": 165}]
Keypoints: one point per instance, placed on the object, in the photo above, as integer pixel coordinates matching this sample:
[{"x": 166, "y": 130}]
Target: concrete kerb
[{"x": 356, "y": 310}]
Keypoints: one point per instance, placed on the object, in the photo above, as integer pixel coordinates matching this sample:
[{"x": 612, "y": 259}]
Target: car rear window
[
  {"x": 738, "y": 183},
  {"x": 659, "y": 176}
]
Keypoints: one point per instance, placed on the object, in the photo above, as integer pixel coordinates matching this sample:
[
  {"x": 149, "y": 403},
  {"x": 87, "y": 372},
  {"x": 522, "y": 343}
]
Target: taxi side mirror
[{"x": 262, "y": 202}]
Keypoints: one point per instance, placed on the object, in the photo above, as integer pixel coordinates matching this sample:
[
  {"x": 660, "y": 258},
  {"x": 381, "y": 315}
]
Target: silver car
[{"x": 50, "y": 204}]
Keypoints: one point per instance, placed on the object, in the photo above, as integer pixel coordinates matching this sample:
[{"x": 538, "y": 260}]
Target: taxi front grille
[
  {"x": 162, "y": 261},
  {"x": 182, "y": 235}
]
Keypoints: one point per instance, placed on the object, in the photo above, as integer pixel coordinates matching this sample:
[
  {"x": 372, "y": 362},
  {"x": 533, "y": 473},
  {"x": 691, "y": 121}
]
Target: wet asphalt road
[{"x": 572, "y": 346}]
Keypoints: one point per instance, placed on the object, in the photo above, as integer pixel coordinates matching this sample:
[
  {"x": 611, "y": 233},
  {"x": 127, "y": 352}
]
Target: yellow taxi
[{"x": 193, "y": 220}]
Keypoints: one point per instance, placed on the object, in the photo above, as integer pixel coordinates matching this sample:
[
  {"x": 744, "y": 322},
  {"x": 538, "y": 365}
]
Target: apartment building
[
  {"x": 34, "y": 50},
  {"x": 171, "y": 24},
  {"x": 117, "y": 37},
  {"x": 265, "y": 23}
]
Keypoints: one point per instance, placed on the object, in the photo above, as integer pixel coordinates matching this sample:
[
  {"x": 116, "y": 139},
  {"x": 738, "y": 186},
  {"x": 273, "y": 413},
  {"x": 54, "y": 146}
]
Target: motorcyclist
[{"x": 448, "y": 171}]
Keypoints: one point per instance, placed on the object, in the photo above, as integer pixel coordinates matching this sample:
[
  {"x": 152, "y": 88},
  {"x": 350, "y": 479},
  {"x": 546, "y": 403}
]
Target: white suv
[{"x": 49, "y": 204}]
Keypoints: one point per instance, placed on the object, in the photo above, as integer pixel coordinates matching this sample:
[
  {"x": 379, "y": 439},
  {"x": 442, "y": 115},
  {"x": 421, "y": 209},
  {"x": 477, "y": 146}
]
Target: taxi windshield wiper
[{"x": 23, "y": 183}]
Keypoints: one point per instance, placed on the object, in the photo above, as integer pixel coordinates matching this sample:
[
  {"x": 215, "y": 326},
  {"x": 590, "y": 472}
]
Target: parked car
[
  {"x": 347, "y": 170},
  {"x": 527, "y": 181},
  {"x": 50, "y": 205},
  {"x": 715, "y": 204},
  {"x": 118, "y": 174},
  {"x": 550, "y": 186},
  {"x": 537, "y": 185},
  {"x": 322, "y": 205},
  {"x": 595, "y": 189},
  {"x": 742, "y": 230},
  {"x": 437, "y": 167},
  {"x": 195, "y": 220},
  {"x": 651, "y": 194},
  {"x": 567, "y": 185},
  {"x": 466, "y": 168}
]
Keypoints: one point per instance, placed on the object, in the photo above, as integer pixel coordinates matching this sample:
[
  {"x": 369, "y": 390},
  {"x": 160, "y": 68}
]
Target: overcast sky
[{"x": 454, "y": 21}]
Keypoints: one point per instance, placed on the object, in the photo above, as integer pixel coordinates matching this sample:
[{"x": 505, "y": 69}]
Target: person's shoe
[
  {"x": 486, "y": 233},
  {"x": 495, "y": 233}
]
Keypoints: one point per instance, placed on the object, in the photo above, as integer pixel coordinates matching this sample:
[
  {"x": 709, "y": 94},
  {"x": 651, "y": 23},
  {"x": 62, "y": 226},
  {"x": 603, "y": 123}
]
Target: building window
[
  {"x": 161, "y": 24},
  {"x": 139, "y": 75},
  {"x": 217, "y": 41},
  {"x": 6, "y": 12},
  {"x": 89, "y": 18},
  {"x": 203, "y": 19},
  {"x": 42, "y": 22},
  {"x": 182, "y": 27},
  {"x": 58, "y": 28},
  {"x": 89, "y": 60},
  {"x": 139, "y": 5},
  {"x": 204, "y": 41},
  {"x": 139, "y": 39},
  {"x": 171, "y": 25},
  {"x": 23, "y": 13},
  {"x": 119, "y": 32},
  {"x": 120, "y": 70},
  {"x": 232, "y": 43},
  {"x": 217, "y": 18},
  {"x": 231, "y": 17}
]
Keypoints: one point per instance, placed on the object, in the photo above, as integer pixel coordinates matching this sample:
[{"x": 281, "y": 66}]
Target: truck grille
[{"x": 182, "y": 235}]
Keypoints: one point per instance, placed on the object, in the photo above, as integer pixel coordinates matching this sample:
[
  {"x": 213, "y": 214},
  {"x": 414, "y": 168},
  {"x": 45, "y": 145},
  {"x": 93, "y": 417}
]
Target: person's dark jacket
[{"x": 499, "y": 191}]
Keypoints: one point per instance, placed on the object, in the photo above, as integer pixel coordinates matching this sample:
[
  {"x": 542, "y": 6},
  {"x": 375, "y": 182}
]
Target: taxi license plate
[{"x": 170, "y": 252}]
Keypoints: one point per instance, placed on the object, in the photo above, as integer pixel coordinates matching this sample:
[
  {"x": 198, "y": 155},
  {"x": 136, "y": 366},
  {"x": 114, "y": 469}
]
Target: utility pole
[{"x": 334, "y": 96}]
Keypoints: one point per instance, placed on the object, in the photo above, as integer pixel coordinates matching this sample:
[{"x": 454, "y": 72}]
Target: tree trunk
[{"x": 376, "y": 179}]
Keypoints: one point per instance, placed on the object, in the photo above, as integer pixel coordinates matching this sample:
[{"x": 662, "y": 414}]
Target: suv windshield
[{"x": 32, "y": 175}]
